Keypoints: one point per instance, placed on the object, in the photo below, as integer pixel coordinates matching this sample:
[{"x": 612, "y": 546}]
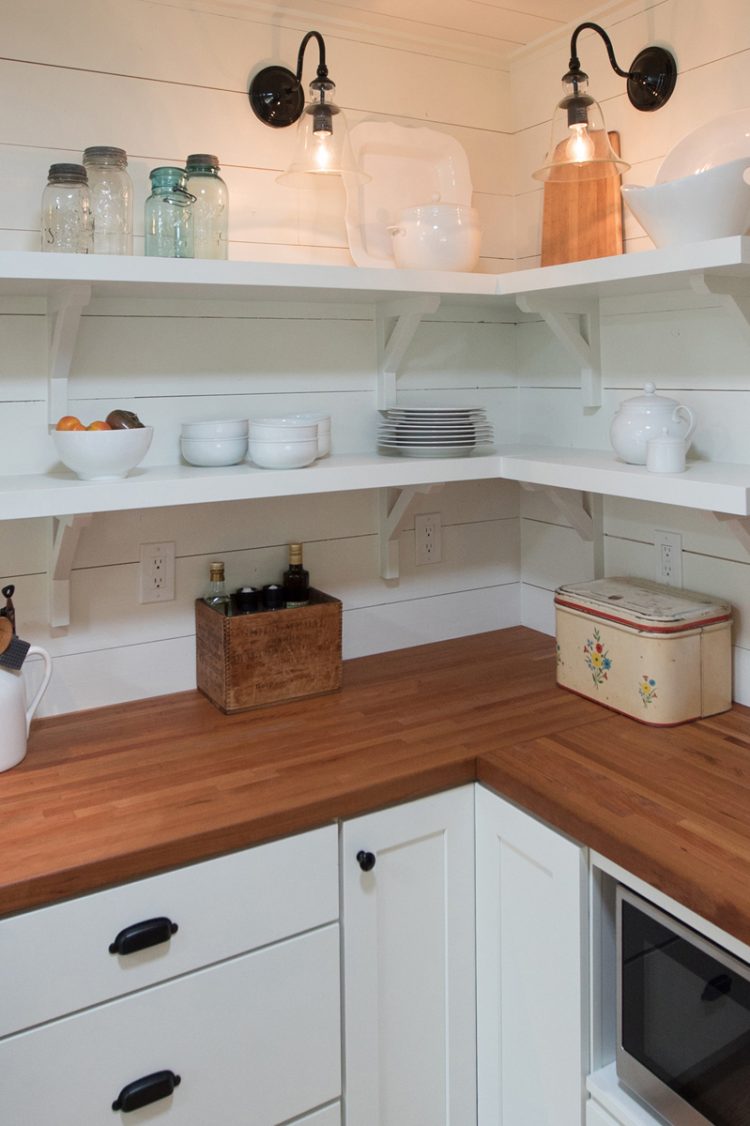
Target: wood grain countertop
[{"x": 122, "y": 792}]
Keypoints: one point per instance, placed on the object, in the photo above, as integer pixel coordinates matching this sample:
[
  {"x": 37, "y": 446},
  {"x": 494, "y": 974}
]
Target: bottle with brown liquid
[{"x": 296, "y": 579}]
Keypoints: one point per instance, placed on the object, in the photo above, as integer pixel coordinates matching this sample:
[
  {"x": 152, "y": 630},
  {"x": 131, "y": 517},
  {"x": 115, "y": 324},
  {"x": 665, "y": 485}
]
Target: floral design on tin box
[
  {"x": 597, "y": 658},
  {"x": 647, "y": 689}
]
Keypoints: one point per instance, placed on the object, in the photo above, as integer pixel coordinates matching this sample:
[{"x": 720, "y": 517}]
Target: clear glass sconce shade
[
  {"x": 579, "y": 146},
  {"x": 322, "y": 146}
]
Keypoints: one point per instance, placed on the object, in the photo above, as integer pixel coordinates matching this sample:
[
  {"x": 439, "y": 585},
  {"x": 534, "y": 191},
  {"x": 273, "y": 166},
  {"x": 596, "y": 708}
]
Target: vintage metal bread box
[{"x": 657, "y": 653}]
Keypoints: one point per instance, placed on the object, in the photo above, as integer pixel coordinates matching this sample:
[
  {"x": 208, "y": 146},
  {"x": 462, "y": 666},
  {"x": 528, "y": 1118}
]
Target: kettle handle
[
  {"x": 36, "y": 650},
  {"x": 690, "y": 420}
]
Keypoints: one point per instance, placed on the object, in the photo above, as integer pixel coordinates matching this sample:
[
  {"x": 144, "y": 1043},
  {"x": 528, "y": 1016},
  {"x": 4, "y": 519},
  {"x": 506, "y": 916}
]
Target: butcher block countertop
[{"x": 116, "y": 793}]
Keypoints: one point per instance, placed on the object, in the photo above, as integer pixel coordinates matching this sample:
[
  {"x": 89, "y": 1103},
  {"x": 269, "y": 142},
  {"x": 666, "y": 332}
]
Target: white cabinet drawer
[
  {"x": 255, "y": 1040},
  {"x": 56, "y": 960}
]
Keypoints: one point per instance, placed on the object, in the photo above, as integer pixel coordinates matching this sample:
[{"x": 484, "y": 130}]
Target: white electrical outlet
[
  {"x": 428, "y": 536},
  {"x": 668, "y": 557},
  {"x": 157, "y": 572}
]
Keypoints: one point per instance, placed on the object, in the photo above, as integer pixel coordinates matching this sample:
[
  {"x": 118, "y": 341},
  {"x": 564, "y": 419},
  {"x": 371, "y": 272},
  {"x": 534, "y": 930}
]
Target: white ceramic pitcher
[{"x": 15, "y": 713}]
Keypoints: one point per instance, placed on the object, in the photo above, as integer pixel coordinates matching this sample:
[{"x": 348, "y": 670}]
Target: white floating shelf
[
  {"x": 706, "y": 485},
  {"x": 62, "y": 494}
]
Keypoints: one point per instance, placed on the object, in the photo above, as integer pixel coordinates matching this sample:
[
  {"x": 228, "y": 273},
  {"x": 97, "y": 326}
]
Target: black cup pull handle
[
  {"x": 147, "y": 1090},
  {"x": 139, "y": 936},
  {"x": 366, "y": 860}
]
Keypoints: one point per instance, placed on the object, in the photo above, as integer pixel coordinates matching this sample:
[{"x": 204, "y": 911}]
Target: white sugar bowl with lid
[{"x": 648, "y": 416}]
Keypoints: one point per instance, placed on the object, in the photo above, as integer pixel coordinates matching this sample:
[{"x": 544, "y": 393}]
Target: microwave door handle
[{"x": 717, "y": 987}]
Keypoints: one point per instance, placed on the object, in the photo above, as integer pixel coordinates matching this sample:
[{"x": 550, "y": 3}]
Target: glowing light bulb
[
  {"x": 580, "y": 147},
  {"x": 323, "y": 152}
]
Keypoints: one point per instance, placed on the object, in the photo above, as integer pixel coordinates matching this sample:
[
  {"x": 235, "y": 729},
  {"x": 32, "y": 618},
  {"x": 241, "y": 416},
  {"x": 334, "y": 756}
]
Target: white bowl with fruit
[{"x": 104, "y": 450}]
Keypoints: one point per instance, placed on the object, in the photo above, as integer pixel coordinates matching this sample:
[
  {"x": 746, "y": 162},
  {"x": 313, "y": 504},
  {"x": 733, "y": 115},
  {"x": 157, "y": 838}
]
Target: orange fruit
[
  {"x": 69, "y": 422},
  {"x": 98, "y": 425}
]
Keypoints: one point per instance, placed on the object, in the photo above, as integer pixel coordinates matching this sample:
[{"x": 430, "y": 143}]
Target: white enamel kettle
[
  {"x": 15, "y": 713},
  {"x": 648, "y": 416}
]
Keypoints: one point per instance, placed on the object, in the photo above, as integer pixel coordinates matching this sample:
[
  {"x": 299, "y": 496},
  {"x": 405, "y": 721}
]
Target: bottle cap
[
  {"x": 273, "y": 597},
  {"x": 247, "y": 599},
  {"x": 217, "y": 572},
  {"x": 295, "y": 552}
]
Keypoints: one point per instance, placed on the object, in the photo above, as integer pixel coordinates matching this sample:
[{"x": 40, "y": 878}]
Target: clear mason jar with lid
[
  {"x": 111, "y": 192},
  {"x": 169, "y": 215},
  {"x": 211, "y": 210},
  {"x": 67, "y": 223}
]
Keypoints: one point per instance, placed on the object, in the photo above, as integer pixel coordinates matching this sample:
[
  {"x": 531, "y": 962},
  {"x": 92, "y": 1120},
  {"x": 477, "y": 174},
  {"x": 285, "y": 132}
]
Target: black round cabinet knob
[{"x": 366, "y": 860}]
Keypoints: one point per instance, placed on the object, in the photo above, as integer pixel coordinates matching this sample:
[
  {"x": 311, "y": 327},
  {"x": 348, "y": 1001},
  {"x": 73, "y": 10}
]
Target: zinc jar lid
[
  {"x": 199, "y": 160},
  {"x": 104, "y": 154},
  {"x": 67, "y": 174}
]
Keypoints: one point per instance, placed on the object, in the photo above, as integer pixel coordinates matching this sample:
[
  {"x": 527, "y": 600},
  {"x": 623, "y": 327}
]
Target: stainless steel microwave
[{"x": 683, "y": 1019}]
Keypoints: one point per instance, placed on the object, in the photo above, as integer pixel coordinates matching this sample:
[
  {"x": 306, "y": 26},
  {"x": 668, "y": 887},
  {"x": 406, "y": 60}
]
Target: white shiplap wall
[
  {"x": 699, "y": 357},
  {"x": 162, "y": 80}
]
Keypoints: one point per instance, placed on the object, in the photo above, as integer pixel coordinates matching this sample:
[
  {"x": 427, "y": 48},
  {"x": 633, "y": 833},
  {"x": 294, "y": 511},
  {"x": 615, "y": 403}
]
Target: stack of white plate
[{"x": 433, "y": 431}]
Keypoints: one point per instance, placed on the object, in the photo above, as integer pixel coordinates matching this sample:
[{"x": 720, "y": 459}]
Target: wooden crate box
[{"x": 246, "y": 660}]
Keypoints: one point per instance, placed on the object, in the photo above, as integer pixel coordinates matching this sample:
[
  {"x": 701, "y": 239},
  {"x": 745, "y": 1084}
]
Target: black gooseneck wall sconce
[
  {"x": 580, "y": 144},
  {"x": 322, "y": 146}
]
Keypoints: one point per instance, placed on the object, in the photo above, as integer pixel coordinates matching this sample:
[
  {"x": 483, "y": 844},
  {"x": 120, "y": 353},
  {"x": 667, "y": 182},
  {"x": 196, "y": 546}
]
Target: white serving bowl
[
  {"x": 215, "y": 428},
  {"x": 708, "y": 205},
  {"x": 102, "y": 455},
  {"x": 719, "y": 141},
  {"x": 283, "y": 429},
  {"x": 213, "y": 451},
  {"x": 437, "y": 236},
  {"x": 323, "y": 423},
  {"x": 283, "y": 455}
]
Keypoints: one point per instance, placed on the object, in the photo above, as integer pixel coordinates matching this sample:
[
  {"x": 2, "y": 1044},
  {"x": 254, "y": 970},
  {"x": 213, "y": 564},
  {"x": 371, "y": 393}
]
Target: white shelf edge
[
  {"x": 62, "y": 494},
  {"x": 714, "y": 486},
  {"x": 721, "y": 488}
]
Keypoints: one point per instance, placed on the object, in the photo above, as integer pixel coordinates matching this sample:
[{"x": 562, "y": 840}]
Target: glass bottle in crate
[
  {"x": 217, "y": 595},
  {"x": 169, "y": 215},
  {"x": 67, "y": 224},
  {"x": 211, "y": 209},
  {"x": 111, "y": 192},
  {"x": 296, "y": 580}
]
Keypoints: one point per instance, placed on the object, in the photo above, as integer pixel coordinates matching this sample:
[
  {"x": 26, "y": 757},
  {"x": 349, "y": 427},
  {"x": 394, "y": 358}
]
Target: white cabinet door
[
  {"x": 531, "y": 984},
  {"x": 409, "y": 965}
]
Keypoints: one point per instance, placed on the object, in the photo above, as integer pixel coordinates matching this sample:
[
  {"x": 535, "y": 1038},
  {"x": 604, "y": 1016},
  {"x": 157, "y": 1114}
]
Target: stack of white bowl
[
  {"x": 214, "y": 442},
  {"x": 289, "y": 442}
]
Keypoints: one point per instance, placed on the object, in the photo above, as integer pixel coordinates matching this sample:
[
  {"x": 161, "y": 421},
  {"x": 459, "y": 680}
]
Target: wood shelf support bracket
[
  {"x": 66, "y": 531},
  {"x": 64, "y": 307},
  {"x": 733, "y": 294},
  {"x": 393, "y": 513},
  {"x": 739, "y": 526},
  {"x": 577, "y": 327},
  {"x": 396, "y": 324},
  {"x": 584, "y": 513}
]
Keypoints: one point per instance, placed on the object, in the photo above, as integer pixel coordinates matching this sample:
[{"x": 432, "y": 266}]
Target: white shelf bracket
[
  {"x": 739, "y": 526},
  {"x": 734, "y": 294},
  {"x": 64, "y": 308},
  {"x": 393, "y": 513},
  {"x": 66, "y": 531},
  {"x": 583, "y": 512},
  {"x": 577, "y": 327},
  {"x": 394, "y": 339}
]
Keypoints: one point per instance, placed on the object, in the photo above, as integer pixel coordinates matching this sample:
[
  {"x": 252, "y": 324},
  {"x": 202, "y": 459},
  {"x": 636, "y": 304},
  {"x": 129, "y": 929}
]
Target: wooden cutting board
[{"x": 582, "y": 218}]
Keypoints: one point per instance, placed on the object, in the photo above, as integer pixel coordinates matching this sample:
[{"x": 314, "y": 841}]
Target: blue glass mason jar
[{"x": 169, "y": 215}]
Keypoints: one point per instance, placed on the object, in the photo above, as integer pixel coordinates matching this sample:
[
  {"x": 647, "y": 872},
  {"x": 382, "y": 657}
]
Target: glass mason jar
[
  {"x": 67, "y": 222},
  {"x": 111, "y": 191},
  {"x": 169, "y": 215},
  {"x": 211, "y": 210}
]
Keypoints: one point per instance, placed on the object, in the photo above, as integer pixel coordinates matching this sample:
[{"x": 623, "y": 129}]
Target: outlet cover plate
[
  {"x": 156, "y": 575},
  {"x": 668, "y": 547},
  {"x": 428, "y": 538}
]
